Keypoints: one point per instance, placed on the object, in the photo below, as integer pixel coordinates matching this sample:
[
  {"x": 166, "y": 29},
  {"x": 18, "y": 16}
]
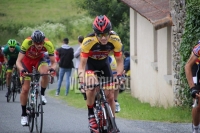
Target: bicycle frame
[
  {"x": 102, "y": 110},
  {"x": 35, "y": 105}
]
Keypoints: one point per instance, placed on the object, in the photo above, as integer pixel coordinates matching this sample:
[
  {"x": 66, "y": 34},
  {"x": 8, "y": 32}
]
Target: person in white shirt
[{"x": 78, "y": 51}]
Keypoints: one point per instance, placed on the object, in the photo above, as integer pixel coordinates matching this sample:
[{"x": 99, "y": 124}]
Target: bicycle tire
[
  {"x": 13, "y": 88},
  {"x": 1, "y": 84},
  {"x": 9, "y": 96},
  {"x": 39, "y": 113},
  {"x": 110, "y": 121},
  {"x": 30, "y": 114}
]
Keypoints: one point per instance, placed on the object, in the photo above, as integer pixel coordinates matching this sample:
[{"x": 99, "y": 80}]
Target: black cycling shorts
[
  {"x": 196, "y": 72},
  {"x": 101, "y": 68}
]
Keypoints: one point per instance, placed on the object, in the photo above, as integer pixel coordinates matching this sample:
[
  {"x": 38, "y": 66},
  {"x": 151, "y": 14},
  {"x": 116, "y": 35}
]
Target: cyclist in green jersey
[{"x": 11, "y": 52}]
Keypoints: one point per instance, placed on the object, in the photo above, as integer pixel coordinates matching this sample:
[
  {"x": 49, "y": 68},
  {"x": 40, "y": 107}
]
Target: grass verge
[{"x": 132, "y": 108}]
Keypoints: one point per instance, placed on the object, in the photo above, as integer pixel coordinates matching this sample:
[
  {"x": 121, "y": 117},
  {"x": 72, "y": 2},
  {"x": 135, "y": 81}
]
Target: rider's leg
[
  {"x": 8, "y": 80},
  {"x": 23, "y": 100},
  {"x": 196, "y": 116},
  {"x": 110, "y": 99},
  {"x": 90, "y": 93},
  {"x": 24, "y": 96},
  {"x": 43, "y": 69}
]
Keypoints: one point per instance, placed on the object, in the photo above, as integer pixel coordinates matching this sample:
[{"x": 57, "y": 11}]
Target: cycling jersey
[
  {"x": 33, "y": 56},
  {"x": 97, "y": 53},
  {"x": 11, "y": 55},
  {"x": 32, "y": 52},
  {"x": 91, "y": 47}
]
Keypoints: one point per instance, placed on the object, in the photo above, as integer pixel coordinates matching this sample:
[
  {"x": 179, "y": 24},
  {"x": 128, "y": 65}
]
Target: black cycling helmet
[
  {"x": 38, "y": 36},
  {"x": 101, "y": 24}
]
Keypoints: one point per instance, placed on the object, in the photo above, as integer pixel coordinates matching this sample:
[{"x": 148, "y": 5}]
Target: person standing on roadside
[
  {"x": 77, "y": 56},
  {"x": 66, "y": 55},
  {"x": 78, "y": 51}
]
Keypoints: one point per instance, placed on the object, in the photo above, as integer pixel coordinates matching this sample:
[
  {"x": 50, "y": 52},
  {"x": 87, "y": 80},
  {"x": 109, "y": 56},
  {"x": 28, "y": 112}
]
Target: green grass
[
  {"x": 36, "y": 11},
  {"x": 17, "y": 14},
  {"x": 133, "y": 109}
]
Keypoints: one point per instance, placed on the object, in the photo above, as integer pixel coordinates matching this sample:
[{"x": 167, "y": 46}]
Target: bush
[{"x": 53, "y": 32}]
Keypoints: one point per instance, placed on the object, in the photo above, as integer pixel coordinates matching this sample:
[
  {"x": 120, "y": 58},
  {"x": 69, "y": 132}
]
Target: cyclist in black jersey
[{"x": 94, "y": 53}]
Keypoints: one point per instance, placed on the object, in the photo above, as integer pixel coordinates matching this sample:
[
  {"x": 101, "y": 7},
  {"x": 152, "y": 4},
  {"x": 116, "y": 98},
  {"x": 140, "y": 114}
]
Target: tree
[{"x": 116, "y": 11}]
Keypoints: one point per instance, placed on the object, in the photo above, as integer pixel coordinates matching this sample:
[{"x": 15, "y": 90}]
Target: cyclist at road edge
[
  {"x": 94, "y": 52},
  {"x": 31, "y": 54}
]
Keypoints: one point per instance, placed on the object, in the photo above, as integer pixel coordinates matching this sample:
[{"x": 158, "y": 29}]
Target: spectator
[
  {"x": 127, "y": 63},
  {"x": 57, "y": 59},
  {"x": 66, "y": 55},
  {"x": 77, "y": 56},
  {"x": 77, "y": 53}
]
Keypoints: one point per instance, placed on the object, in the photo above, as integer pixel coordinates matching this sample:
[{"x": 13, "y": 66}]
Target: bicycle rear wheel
[
  {"x": 10, "y": 95},
  {"x": 39, "y": 113},
  {"x": 14, "y": 90},
  {"x": 110, "y": 121},
  {"x": 30, "y": 114}
]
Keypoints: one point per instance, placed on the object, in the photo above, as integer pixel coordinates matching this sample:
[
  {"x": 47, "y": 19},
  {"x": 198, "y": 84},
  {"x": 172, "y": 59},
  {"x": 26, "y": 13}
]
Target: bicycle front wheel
[
  {"x": 110, "y": 120},
  {"x": 30, "y": 114},
  {"x": 39, "y": 113}
]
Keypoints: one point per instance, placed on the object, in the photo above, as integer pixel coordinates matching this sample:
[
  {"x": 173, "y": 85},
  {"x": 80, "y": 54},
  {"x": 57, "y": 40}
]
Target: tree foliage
[
  {"x": 189, "y": 39},
  {"x": 116, "y": 11}
]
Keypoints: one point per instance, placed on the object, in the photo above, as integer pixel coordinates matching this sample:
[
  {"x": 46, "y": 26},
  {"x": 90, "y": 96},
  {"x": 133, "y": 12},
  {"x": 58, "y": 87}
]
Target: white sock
[{"x": 196, "y": 128}]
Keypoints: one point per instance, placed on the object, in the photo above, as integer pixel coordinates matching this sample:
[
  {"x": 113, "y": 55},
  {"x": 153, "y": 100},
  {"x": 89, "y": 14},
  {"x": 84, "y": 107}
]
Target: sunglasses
[
  {"x": 11, "y": 47},
  {"x": 41, "y": 43},
  {"x": 103, "y": 34}
]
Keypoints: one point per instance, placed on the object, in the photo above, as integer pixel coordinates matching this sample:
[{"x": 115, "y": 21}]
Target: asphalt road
[{"x": 61, "y": 118}]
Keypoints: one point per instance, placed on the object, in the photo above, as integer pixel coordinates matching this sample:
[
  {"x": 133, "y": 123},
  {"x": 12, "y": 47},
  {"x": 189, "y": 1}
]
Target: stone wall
[{"x": 178, "y": 13}]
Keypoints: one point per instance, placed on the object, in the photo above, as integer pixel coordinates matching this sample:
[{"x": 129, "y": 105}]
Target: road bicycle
[
  {"x": 3, "y": 77},
  {"x": 15, "y": 85},
  {"x": 102, "y": 110},
  {"x": 34, "y": 104}
]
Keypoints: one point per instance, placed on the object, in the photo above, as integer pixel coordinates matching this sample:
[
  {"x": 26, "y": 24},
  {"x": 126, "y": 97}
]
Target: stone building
[{"x": 156, "y": 27}]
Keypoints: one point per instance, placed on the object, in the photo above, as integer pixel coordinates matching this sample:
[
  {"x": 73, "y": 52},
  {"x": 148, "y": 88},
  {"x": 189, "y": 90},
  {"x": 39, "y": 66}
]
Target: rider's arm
[
  {"x": 188, "y": 69},
  {"x": 53, "y": 63},
  {"x": 81, "y": 69},
  {"x": 120, "y": 64},
  {"x": 19, "y": 60},
  {"x": 5, "y": 59}
]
